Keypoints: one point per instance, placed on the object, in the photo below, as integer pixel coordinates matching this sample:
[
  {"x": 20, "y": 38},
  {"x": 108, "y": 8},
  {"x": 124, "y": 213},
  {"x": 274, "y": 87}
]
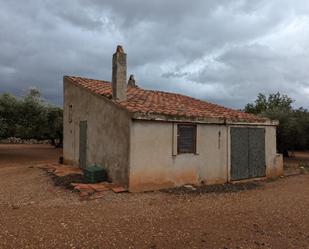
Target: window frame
[{"x": 194, "y": 140}]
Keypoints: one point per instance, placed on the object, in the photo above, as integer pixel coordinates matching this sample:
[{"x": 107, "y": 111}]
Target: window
[{"x": 186, "y": 138}]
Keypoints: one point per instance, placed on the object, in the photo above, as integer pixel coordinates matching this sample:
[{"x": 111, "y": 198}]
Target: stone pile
[{"x": 16, "y": 140}]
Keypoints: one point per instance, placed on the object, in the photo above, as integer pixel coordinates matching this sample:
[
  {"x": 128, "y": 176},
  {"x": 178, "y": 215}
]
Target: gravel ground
[{"x": 37, "y": 214}]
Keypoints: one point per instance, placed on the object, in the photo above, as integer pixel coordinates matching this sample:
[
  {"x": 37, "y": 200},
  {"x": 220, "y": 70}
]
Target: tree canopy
[
  {"x": 274, "y": 101},
  {"x": 29, "y": 117},
  {"x": 293, "y": 129}
]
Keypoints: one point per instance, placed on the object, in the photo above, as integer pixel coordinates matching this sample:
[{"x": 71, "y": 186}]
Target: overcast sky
[{"x": 218, "y": 50}]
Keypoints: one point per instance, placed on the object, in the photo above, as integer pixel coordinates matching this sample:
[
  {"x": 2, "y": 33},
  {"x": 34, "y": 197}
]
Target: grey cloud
[
  {"x": 222, "y": 51},
  {"x": 175, "y": 74}
]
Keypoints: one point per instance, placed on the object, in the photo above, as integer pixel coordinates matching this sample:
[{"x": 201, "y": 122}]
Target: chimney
[
  {"x": 119, "y": 74},
  {"x": 131, "y": 81}
]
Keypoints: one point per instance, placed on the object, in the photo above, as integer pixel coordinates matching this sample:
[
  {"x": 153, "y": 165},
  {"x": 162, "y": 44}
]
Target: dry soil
[{"x": 36, "y": 214}]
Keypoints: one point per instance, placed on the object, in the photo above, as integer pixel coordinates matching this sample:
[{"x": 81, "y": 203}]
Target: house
[{"x": 152, "y": 139}]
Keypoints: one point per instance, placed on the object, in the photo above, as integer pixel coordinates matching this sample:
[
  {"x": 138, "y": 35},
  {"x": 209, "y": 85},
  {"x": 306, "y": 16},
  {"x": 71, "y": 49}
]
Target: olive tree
[
  {"x": 29, "y": 117},
  {"x": 293, "y": 129}
]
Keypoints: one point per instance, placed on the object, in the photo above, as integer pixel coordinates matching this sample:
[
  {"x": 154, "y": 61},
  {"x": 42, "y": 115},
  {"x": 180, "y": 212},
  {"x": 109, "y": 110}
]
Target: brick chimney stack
[{"x": 119, "y": 74}]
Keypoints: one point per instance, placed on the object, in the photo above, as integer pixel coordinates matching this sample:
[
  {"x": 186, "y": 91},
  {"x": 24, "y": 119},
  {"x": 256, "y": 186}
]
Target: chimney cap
[{"x": 119, "y": 49}]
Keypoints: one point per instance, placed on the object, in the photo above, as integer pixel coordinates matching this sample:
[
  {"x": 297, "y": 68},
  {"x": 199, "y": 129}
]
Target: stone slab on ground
[
  {"x": 119, "y": 189},
  {"x": 61, "y": 170},
  {"x": 85, "y": 189},
  {"x": 94, "y": 189}
]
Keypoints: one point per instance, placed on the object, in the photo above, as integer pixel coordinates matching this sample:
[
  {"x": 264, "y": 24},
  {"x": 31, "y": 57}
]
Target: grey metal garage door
[{"x": 247, "y": 153}]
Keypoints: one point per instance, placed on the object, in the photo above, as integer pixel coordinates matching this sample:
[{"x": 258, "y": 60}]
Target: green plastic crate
[{"x": 95, "y": 173}]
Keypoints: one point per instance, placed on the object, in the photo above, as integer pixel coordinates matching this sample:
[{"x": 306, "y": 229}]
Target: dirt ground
[
  {"x": 36, "y": 214},
  {"x": 26, "y": 154},
  {"x": 296, "y": 159}
]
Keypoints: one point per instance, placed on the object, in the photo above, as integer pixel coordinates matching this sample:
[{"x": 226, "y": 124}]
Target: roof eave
[
  {"x": 267, "y": 122},
  {"x": 202, "y": 120}
]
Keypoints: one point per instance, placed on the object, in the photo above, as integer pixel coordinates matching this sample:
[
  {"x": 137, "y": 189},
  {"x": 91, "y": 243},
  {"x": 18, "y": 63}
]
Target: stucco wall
[
  {"x": 274, "y": 161},
  {"x": 108, "y": 132},
  {"x": 154, "y": 163}
]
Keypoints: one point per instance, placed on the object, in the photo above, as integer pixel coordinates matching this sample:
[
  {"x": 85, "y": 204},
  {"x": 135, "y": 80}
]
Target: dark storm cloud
[{"x": 222, "y": 51}]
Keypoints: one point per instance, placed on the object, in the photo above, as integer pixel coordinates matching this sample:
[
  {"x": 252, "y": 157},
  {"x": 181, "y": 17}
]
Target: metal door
[
  {"x": 257, "y": 167},
  {"x": 239, "y": 153},
  {"x": 247, "y": 153},
  {"x": 82, "y": 144}
]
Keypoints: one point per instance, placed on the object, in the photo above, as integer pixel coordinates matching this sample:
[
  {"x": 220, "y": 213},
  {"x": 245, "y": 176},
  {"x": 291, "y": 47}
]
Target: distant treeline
[
  {"x": 293, "y": 130},
  {"x": 30, "y": 117}
]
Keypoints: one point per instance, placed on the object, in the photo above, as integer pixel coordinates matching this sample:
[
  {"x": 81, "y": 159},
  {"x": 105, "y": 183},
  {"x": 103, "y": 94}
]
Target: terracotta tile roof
[{"x": 163, "y": 103}]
